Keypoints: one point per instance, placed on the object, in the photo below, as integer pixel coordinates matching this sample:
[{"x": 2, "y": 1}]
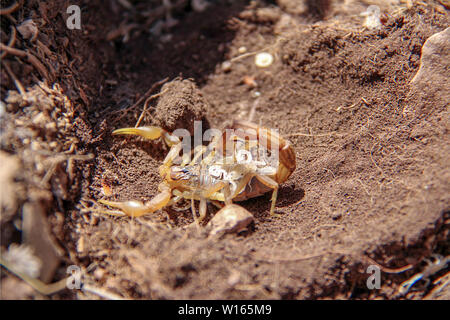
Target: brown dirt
[{"x": 372, "y": 179}]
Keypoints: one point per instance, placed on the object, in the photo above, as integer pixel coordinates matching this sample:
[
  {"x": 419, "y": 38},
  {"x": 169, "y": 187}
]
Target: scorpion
[{"x": 242, "y": 161}]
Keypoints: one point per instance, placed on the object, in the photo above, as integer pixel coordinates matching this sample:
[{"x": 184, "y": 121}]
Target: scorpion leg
[
  {"x": 207, "y": 194},
  {"x": 202, "y": 210},
  {"x": 267, "y": 181},
  {"x": 137, "y": 208},
  {"x": 217, "y": 204},
  {"x": 271, "y": 184},
  {"x": 210, "y": 192},
  {"x": 198, "y": 152}
]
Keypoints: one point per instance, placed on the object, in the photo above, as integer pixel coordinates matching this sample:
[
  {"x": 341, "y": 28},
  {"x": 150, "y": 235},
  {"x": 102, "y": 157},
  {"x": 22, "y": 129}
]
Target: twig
[
  {"x": 139, "y": 101},
  {"x": 389, "y": 270},
  {"x": 294, "y": 259},
  {"x": 373, "y": 161},
  {"x": 18, "y": 84},
  {"x": 63, "y": 157},
  {"x": 32, "y": 59},
  {"x": 311, "y": 256},
  {"x": 160, "y": 12},
  {"x": 432, "y": 268},
  {"x": 123, "y": 30},
  {"x": 126, "y": 4},
  {"x": 253, "y": 110},
  {"x": 311, "y": 135},
  {"x": 41, "y": 287},
  {"x": 435, "y": 291},
  {"x": 10, "y": 9},
  {"x": 11, "y": 42},
  {"x": 365, "y": 189},
  {"x": 146, "y": 105},
  {"x": 101, "y": 293},
  {"x": 353, "y": 105},
  {"x": 49, "y": 289}
]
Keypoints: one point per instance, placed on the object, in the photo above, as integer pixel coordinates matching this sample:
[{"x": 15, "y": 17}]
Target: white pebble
[
  {"x": 372, "y": 15},
  {"x": 263, "y": 59},
  {"x": 2, "y": 109},
  {"x": 226, "y": 66}
]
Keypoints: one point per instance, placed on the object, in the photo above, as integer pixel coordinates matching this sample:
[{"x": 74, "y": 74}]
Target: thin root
[
  {"x": 10, "y": 9},
  {"x": 311, "y": 135},
  {"x": 11, "y": 43},
  {"x": 101, "y": 293},
  {"x": 146, "y": 106},
  {"x": 18, "y": 84},
  {"x": 31, "y": 58},
  {"x": 353, "y": 105},
  {"x": 41, "y": 287},
  {"x": 141, "y": 99},
  {"x": 389, "y": 270}
]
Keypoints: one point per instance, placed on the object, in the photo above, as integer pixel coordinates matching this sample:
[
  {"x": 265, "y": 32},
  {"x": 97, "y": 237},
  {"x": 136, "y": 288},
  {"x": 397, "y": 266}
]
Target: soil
[{"x": 372, "y": 180}]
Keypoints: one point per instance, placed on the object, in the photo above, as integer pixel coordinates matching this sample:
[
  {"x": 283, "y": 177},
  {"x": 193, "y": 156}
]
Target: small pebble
[
  {"x": 230, "y": 219},
  {"x": 249, "y": 81},
  {"x": 80, "y": 245},
  {"x": 263, "y": 59},
  {"x": 234, "y": 278},
  {"x": 242, "y": 50},
  {"x": 372, "y": 15},
  {"x": 99, "y": 273},
  {"x": 199, "y": 5},
  {"x": 28, "y": 29},
  {"x": 2, "y": 108},
  {"x": 336, "y": 216},
  {"x": 226, "y": 66}
]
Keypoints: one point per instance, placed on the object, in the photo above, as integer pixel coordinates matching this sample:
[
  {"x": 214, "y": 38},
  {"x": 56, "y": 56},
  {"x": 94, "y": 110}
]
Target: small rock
[
  {"x": 28, "y": 29},
  {"x": 336, "y": 216},
  {"x": 199, "y": 5},
  {"x": 230, "y": 219},
  {"x": 372, "y": 15},
  {"x": 81, "y": 246},
  {"x": 242, "y": 50},
  {"x": 431, "y": 81},
  {"x": 249, "y": 81},
  {"x": 434, "y": 61},
  {"x": 234, "y": 278},
  {"x": 2, "y": 109},
  {"x": 226, "y": 66},
  {"x": 268, "y": 15},
  {"x": 99, "y": 273}
]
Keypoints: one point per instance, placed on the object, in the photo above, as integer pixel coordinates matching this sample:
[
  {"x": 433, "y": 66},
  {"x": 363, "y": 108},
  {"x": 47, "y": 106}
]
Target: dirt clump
[{"x": 181, "y": 103}]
